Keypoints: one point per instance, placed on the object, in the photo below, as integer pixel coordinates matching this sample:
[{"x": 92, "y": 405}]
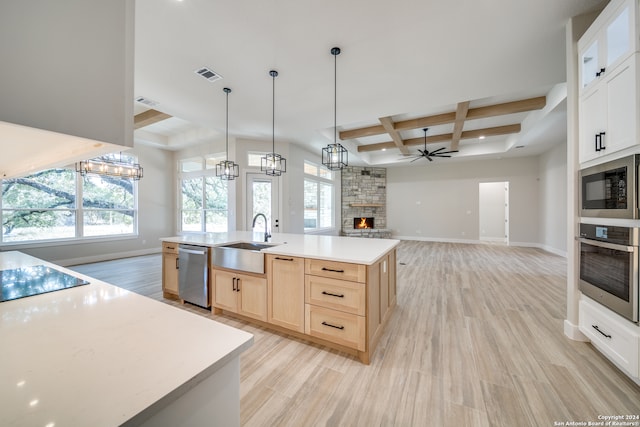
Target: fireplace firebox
[{"x": 362, "y": 222}]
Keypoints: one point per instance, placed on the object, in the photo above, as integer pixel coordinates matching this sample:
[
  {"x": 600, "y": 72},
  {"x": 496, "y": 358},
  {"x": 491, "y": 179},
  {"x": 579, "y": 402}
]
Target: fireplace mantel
[{"x": 366, "y": 205}]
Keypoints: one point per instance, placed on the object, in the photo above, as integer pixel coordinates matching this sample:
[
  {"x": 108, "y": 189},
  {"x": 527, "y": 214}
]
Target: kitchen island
[
  {"x": 99, "y": 355},
  {"x": 335, "y": 291}
]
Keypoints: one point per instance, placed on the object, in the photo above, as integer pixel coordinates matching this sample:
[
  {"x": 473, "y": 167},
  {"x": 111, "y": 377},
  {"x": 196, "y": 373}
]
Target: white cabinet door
[
  {"x": 593, "y": 117},
  {"x": 608, "y": 42},
  {"x": 609, "y": 113},
  {"x": 622, "y": 111}
]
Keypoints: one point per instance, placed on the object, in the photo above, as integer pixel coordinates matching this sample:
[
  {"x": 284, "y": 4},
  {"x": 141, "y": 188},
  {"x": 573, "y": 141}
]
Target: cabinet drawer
[
  {"x": 337, "y": 294},
  {"x": 612, "y": 336},
  {"x": 335, "y": 326},
  {"x": 169, "y": 247},
  {"x": 336, "y": 270}
]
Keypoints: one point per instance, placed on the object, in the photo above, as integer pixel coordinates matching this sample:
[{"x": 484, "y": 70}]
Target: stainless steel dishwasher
[{"x": 193, "y": 274}]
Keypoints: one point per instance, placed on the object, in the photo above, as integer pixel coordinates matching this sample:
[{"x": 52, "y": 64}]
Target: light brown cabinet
[
  {"x": 170, "y": 270},
  {"x": 286, "y": 291},
  {"x": 240, "y": 293},
  {"x": 337, "y": 304}
]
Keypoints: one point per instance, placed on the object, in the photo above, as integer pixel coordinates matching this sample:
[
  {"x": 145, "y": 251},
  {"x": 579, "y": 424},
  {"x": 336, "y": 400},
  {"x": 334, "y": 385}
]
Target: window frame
[
  {"x": 319, "y": 180},
  {"x": 78, "y": 212},
  {"x": 202, "y": 174}
]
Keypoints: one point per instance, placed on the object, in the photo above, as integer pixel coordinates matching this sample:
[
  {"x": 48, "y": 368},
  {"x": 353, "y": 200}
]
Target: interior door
[{"x": 262, "y": 197}]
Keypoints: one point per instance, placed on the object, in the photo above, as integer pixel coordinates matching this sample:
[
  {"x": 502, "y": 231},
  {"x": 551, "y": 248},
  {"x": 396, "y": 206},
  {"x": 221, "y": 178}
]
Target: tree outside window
[{"x": 59, "y": 204}]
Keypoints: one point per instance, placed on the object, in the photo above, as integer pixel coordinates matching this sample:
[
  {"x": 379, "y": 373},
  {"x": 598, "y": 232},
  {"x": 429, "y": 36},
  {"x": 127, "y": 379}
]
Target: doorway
[
  {"x": 493, "y": 212},
  {"x": 262, "y": 197}
]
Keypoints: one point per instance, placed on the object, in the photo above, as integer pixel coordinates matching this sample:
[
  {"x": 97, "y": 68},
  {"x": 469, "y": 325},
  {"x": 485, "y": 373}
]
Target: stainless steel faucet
[{"x": 266, "y": 233}]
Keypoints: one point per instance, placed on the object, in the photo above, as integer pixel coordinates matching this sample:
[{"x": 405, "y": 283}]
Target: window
[
  {"x": 203, "y": 196},
  {"x": 254, "y": 159},
  {"x": 318, "y": 197},
  {"x": 60, "y": 204}
]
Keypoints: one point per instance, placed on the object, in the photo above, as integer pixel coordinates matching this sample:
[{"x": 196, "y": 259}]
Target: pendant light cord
[
  {"x": 227, "y": 91},
  {"x": 335, "y": 98},
  {"x": 273, "y": 116}
]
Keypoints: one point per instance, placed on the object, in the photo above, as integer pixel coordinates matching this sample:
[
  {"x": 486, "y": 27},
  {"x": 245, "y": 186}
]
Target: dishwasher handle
[{"x": 191, "y": 251}]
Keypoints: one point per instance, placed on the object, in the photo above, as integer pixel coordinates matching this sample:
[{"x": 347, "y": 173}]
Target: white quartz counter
[
  {"x": 333, "y": 248},
  {"x": 98, "y": 355}
]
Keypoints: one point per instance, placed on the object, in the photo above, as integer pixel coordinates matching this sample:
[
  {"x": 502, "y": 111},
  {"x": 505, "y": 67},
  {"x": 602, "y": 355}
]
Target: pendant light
[
  {"x": 273, "y": 163},
  {"x": 108, "y": 166},
  {"x": 335, "y": 156},
  {"x": 226, "y": 169}
]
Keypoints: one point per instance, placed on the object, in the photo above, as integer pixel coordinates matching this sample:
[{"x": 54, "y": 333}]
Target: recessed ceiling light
[
  {"x": 384, "y": 149},
  {"x": 481, "y": 137}
]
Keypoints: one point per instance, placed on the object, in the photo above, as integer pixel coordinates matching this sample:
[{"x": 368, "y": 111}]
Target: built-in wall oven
[
  {"x": 609, "y": 190},
  {"x": 609, "y": 267}
]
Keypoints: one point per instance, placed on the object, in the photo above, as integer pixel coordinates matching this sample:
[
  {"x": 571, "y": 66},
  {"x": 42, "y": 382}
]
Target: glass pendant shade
[
  {"x": 227, "y": 170},
  {"x": 273, "y": 163},
  {"x": 335, "y": 156}
]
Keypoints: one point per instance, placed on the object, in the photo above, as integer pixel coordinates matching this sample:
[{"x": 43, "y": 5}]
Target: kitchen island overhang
[{"x": 101, "y": 355}]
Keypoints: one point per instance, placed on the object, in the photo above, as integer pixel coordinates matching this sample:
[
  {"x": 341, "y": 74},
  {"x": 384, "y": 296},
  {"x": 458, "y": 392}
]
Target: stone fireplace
[{"x": 364, "y": 202}]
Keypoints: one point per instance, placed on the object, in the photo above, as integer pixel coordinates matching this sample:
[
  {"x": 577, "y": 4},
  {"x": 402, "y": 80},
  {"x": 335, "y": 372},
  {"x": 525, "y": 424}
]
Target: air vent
[
  {"x": 146, "y": 101},
  {"x": 208, "y": 74}
]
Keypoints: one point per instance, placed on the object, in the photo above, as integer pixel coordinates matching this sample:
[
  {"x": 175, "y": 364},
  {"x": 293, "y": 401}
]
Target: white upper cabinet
[
  {"x": 608, "y": 42},
  {"x": 608, "y": 107}
]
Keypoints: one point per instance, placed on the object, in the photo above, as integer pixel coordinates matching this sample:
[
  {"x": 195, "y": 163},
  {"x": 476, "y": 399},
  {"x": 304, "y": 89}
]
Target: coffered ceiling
[{"x": 463, "y": 69}]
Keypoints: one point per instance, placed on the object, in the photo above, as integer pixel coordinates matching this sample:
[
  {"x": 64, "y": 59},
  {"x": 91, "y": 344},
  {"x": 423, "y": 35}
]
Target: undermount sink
[
  {"x": 243, "y": 256},
  {"x": 248, "y": 246}
]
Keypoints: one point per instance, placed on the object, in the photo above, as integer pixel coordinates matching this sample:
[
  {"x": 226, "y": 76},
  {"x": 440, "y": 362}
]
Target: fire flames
[{"x": 363, "y": 223}]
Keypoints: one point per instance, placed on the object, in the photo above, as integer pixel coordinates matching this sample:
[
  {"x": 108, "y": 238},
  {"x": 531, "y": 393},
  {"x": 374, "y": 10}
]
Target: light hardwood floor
[{"x": 475, "y": 340}]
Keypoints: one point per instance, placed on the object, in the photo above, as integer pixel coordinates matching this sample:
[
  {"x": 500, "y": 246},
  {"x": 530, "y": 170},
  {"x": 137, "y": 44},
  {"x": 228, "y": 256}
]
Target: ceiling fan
[{"x": 430, "y": 154}]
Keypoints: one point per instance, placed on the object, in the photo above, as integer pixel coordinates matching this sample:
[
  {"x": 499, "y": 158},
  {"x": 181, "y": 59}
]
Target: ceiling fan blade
[
  {"x": 447, "y": 152},
  {"x": 441, "y": 155},
  {"x": 430, "y": 159},
  {"x": 438, "y": 150},
  {"x": 417, "y": 158}
]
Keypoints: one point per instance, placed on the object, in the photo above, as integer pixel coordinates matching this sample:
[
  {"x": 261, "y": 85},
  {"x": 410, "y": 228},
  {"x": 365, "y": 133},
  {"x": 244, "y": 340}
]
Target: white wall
[
  {"x": 67, "y": 66},
  {"x": 156, "y": 218},
  {"x": 441, "y": 201},
  {"x": 553, "y": 199}
]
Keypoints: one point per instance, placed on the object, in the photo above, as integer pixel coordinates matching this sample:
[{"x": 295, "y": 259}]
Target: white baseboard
[
  {"x": 107, "y": 257},
  {"x": 484, "y": 242},
  {"x": 436, "y": 239},
  {"x": 573, "y": 332}
]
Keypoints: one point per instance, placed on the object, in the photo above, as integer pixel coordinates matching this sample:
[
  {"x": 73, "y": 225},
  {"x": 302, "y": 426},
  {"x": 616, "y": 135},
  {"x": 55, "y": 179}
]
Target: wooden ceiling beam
[
  {"x": 513, "y": 107},
  {"x": 149, "y": 117},
  {"x": 461, "y": 115},
  {"x": 445, "y": 137},
  {"x": 362, "y": 132},
  {"x": 424, "y": 122},
  {"x": 507, "y": 108},
  {"x": 387, "y": 123}
]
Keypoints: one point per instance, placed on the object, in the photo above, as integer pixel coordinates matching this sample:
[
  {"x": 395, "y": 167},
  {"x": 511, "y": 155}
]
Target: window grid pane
[{"x": 42, "y": 206}]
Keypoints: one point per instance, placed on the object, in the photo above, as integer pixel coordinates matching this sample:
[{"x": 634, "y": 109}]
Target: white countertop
[
  {"x": 98, "y": 355},
  {"x": 333, "y": 248}
]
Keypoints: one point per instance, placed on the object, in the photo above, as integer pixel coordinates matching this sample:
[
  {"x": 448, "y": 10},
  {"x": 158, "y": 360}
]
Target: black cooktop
[{"x": 35, "y": 280}]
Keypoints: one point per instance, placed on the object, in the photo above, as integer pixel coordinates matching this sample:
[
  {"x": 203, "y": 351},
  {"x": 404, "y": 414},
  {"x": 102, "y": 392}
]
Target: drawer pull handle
[
  {"x": 284, "y": 259},
  {"x": 332, "y": 326},
  {"x": 333, "y": 271},
  {"x": 598, "y": 329},
  {"x": 177, "y": 263},
  {"x": 332, "y": 295}
]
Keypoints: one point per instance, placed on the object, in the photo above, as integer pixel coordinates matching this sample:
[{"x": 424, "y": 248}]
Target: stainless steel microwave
[{"x": 610, "y": 190}]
